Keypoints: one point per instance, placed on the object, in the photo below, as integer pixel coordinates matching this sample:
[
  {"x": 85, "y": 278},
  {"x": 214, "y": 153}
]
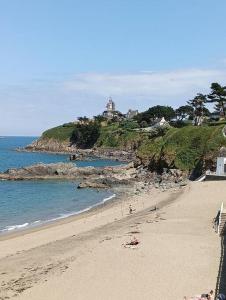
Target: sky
[{"x": 62, "y": 59}]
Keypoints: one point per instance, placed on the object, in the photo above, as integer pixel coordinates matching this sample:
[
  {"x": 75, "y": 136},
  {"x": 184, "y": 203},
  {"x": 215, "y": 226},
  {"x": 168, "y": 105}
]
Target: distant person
[
  {"x": 130, "y": 209},
  {"x": 203, "y": 297}
]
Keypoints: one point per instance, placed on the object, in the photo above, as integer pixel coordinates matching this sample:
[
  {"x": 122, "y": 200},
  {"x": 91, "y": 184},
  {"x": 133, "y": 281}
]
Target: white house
[{"x": 160, "y": 122}]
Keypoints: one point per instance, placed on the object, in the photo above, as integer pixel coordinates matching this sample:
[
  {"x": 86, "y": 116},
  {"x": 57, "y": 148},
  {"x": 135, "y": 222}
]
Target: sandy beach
[{"x": 84, "y": 257}]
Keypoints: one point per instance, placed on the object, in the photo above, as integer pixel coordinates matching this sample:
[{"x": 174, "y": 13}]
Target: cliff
[{"x": 190, "y": 149}]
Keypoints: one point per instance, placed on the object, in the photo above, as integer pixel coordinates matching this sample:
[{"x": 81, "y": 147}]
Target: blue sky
[{"x": 63, "y": 59}]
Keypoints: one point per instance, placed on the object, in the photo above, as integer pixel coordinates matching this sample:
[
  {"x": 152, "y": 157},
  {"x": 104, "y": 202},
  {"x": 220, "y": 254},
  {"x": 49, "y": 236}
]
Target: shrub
[{"x": 86, "y": 135}]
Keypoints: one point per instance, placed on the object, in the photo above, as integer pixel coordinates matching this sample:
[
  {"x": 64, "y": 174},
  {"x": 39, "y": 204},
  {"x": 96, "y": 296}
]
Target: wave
[
  {"x": 13, "y": 227},
  {"x": 61, "y": 216}
]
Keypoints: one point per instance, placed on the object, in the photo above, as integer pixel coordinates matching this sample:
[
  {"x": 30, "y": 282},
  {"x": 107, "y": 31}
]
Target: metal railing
[{"x": 219, "y": 224}]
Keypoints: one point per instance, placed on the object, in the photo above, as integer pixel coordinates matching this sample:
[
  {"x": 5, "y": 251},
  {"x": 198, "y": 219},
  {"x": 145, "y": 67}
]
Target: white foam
[
  {"x": 62, "y": 216},
  {"x": 109, "y": 198},
  {"x": 13, "y": 227}
]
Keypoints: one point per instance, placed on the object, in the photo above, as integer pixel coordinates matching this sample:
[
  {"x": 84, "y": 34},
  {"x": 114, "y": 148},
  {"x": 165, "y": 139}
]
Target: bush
[
  {"x": 129, "y": 124},
  {"x": 158, "y": 131},
  {"x": 86, "y": 135}
]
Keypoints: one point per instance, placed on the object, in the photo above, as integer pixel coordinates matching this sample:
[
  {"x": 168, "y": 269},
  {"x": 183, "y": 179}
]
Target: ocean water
[
  {"x": 9, "y": 158},
  {"x": 25, "y": 204}
]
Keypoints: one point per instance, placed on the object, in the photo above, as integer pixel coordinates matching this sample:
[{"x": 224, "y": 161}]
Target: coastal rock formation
[
  {"x": 56, "y": 146},
  {"x": 67, "y": 170},
  {"x": 106, "y": 182},
  {"x": 116, "y": 177},
  {"x": 92, "y": 184},
  {"x": 49, "y": 145}
]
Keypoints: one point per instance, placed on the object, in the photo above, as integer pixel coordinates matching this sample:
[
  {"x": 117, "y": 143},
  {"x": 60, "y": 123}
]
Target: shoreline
[
  {"x": 89, "y": 249},
  {"x": 92, "y": 153},
  {"x": 120, "y": 199},
  {"x": 5, "y": 235},
  {"x": 86, "y": 157}
]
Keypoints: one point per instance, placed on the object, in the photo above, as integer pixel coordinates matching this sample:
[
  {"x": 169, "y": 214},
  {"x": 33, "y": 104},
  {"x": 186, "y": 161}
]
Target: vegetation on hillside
[
  {"x": 120, "y": 136},
  {"x": 155, "y": 112},
  {"x": 85, "y": 135},
  {"x": 181, "y": 145},
  {"x": 189, "y": 148},
  {"x": 60, "y": 133}
]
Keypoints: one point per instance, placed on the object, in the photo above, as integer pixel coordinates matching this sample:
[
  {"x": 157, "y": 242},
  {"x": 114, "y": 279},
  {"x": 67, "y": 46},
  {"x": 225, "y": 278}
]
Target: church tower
[{"x": 110, "y": 105}]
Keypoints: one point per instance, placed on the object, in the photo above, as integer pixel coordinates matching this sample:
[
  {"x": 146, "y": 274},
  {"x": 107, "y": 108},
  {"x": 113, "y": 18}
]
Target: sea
[{"x": 25, "y": 204}]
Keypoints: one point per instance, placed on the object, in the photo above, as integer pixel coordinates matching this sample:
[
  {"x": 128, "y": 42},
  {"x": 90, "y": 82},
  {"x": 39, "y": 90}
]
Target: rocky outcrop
[
  {"x": 56, "y": 146},
  {"x": 107, "y": 182},
  {"x": 92, "y": 184},
  {"x": 117, "y": 178},
  {"x": 49, "y": 145},
  {"x": 168, "y": 179},
  {"x": 66, "y": 170}
]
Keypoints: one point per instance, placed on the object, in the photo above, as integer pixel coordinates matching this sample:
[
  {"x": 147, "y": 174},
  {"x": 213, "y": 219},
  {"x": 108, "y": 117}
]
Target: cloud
[
  {"x": 146, "y": 84},
  {"x": 39, "y": 104}
]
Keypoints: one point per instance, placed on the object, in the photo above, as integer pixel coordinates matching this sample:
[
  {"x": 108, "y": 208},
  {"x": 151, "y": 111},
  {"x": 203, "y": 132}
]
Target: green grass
[
  {"x": 184, "y": 148},
  {"x": 114, "y": 136},
  {"x": 60, "y": 133},
  {"x": 187, "y": 148}
]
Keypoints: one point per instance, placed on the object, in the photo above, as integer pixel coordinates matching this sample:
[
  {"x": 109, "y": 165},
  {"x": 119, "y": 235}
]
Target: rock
[
  {"x": 56, "y": 146},
  {"x": 106, "y": 175},
  {"x": 183, "y": 183},
  {"x": 49, "y": 145},
  {"x": 91, "y": 184}
]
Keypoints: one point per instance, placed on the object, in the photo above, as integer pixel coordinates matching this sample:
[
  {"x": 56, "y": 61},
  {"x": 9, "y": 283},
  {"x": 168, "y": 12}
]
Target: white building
[
  {"x": 110, "y": 112},
  {"x": 221, "y": 166},
  {"x": 160, "y": 122},
  {"x": 131, "y": 113},
  {"x": 110, "y": 105}
]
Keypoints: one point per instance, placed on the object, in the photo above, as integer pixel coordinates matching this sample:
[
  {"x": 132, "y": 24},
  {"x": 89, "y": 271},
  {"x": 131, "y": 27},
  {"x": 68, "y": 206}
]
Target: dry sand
[{"x": 84, "y": 258}]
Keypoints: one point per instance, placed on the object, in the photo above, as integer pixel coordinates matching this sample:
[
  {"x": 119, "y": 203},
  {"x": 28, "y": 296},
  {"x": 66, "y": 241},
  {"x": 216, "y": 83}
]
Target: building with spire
[
  {"x": 110, "y": 105},
  {"x": 111, "y": 112}
]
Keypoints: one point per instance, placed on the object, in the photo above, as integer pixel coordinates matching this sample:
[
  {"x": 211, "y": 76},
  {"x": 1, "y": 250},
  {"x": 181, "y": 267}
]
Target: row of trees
[
  {"x": 195, "y": 109},
  {"x": 217, "y": 96}
]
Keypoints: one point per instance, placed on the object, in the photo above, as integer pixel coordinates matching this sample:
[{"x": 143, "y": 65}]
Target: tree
[
  {"x": 198, "y": 105},
  {"x": 159, "y": 111},
  {"x": 86, "y": 135},
  {"x": 100, "y": 118},
  {"x": 128, "y": 124},
  {"x": 184, "y": 112},
  {"x": 218, "y": 96},
  {"x": 206, "y": 112},
  {"x": 83, "y": 120},
  {"x": 155, "y": 112}
]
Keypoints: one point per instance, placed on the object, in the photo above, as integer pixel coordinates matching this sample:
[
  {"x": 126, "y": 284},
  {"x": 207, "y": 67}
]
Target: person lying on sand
[
  {"x": 203, "y": 297},
  {"x": 133, "y": 242}
]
